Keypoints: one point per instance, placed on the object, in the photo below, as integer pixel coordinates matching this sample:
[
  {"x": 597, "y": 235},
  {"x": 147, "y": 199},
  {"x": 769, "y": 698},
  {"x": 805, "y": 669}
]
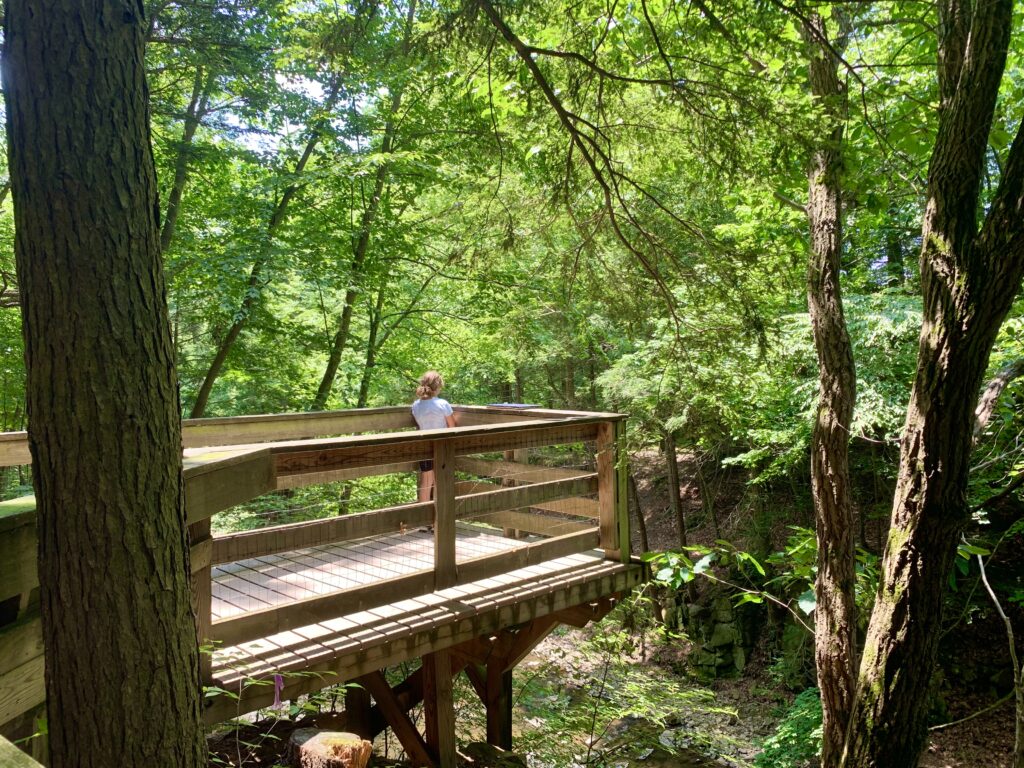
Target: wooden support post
[
  {"x": 611, "y": 481},
  {"x": 412, "y": 742},
  {"x": 202, "y": 596},
  {"x": 438, "y": 707},
  {"x": 357, "y": 711},
  {"x": 499, "y": 704},
  {"x": 445, "y": 573}
]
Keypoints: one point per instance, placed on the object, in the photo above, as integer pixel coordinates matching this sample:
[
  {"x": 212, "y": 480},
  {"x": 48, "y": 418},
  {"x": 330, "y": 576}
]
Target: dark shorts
[{"x": 426, "y": 466}]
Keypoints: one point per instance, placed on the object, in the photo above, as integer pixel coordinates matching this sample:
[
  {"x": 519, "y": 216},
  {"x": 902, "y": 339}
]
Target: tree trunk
[
  {"x": 362, "y": 245},
  {"x": 197, "y": 106},
  {"x": 253, "y": 286},
  {"x": 355, "y": 272},
  {"x": 371, "y": 349},
  {"x": 641, "y": 523},
  {"x": 675, "y": 500},
  {"x": 969, "y": 277},
  {"x": 835, "y": 613},
  {"x": 122, "y": 663}
]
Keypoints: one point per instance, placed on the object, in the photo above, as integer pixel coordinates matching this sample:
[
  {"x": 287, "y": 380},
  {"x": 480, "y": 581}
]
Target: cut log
[{"x": 312, "y": 748}]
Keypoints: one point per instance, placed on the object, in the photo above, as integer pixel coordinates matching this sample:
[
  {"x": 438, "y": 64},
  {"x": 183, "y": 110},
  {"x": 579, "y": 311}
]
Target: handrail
[{"x": 235, "y": 430}]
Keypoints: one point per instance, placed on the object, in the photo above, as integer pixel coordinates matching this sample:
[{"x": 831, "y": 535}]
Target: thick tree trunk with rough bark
[
  {"x": 969, "y": 277},
  {"x": 835, "y": 614},
  {"x": 122, "y": 663}
]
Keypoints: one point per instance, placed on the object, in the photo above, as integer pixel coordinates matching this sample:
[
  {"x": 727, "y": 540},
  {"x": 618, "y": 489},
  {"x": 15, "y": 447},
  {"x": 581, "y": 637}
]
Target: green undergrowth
[{"x": 797, "y": 740}]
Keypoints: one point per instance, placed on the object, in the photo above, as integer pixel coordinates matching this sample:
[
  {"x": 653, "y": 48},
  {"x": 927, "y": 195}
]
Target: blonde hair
[{"x": 430, "y": 384}]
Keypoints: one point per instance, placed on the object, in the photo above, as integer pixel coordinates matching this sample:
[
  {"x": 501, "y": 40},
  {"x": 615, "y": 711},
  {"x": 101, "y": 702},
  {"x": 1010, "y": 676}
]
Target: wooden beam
[
  {"x": 411, "y": 740},
  {"x": 611, "y": 496},
  {"x": 479, "y": 568},
  {"x": 581, "y": 615},
  {"x": 218, "y": 484},
  {"x": 202, "y": 597},
  {"x": 541, "y": 525},
  {"x": 299, "y": 460},
  {"x": 445, "y": 512},
  {"x": 577, "y": 507},
  {"x": 313, "y": 610},
  {"x": 525, "y": 496},
  {"x": 511, "y": 470},
  {"x": 14, "y": 449},
  {"x": 18, "y": 556},
  {"x": 200, "y": 554},
  {"x": 357, "y": 710},
  {"x": 20, "y": 642},
  {"x": 526, "y": 639},
  {"x": 499, "y": 705},
  {"x": 337, "y": 475},
  {"x": 22, "y": 688},
  {"x": 439, "y": 707},
  {"x": 284, "y": 538},
  {"x": 12, "y": 757},
  {"x": 293, "y": 426},
  {"x": 478, "y": 679},
  {"x": 518, "y": 435}
]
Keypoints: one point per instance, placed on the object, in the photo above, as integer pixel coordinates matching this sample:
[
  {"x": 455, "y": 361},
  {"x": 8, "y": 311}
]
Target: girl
[{"x": 430, "y": 412}]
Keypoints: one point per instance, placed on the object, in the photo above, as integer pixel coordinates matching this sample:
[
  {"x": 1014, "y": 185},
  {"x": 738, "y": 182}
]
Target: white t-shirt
[{"x": 431, "y": 413}]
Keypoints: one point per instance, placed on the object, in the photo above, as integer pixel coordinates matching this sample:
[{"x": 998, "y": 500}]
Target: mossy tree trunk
[
  {"x": 970, "y": 274},
  {"x": 122, "y": 664}
]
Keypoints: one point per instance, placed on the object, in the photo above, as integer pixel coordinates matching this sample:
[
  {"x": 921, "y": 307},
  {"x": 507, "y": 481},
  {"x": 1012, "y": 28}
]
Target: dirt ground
[{"x": 983, "y": 741}]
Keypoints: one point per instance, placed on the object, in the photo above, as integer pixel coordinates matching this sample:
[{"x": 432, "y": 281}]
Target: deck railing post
[
  {"x": 201, "y": 553},
  {"x": 611, "y": 490},
  {"x": 444, "y": 514}
]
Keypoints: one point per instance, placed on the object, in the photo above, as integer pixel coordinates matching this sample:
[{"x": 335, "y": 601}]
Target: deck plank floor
[
  {"x": 399, "y": 630},
  {"x": 273, "y": 580}
]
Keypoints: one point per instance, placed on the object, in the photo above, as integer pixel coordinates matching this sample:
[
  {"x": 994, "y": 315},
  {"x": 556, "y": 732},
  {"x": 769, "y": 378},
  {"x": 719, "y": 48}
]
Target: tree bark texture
[
  {"x": 969, "y": 277},
  {"x": 122, "y": 663},
  {"x": 254, "y": 285},
  {"x": 835, "y": 612}
]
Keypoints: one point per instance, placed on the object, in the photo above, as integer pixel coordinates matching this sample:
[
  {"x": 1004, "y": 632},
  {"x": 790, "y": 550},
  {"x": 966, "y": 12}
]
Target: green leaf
[{"x": 807, "y": 602}]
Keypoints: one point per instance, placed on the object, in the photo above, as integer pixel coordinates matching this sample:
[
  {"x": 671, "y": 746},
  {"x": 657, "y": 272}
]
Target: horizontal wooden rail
[
  {"x": 291, "y": 536},
  {"x": 12, "y": 757},
  {"x": 235, "y": 430},
  {"x": 22, "y": 686},
  {"x": 524, "y": 496},
  {"x": 529, "y": 522},
  {"x": 488, "y": 566},
  {"x": 337, "y": 475},
  {"x": 510, "y": 470}
]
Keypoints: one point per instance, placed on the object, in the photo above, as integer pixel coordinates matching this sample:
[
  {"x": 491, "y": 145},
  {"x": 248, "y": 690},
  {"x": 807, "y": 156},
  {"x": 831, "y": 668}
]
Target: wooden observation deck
[{"x": 507, "y": 549}]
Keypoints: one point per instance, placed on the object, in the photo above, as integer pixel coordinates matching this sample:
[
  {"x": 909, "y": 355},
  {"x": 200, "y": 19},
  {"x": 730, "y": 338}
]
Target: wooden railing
[{"x": 244, "y": 458}]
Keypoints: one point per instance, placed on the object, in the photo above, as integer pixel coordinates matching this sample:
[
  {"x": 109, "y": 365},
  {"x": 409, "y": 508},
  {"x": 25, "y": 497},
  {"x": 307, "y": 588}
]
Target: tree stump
[{"x": 311, "y": 748}]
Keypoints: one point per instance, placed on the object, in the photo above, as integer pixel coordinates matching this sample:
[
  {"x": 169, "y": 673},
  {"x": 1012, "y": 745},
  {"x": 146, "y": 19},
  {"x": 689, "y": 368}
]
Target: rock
[
  {"x": 723, "y": 634},
  {"x": 312, "y": 748},
  {"x": 482, "y": 755},
  {"x": 739, "y": 657}
]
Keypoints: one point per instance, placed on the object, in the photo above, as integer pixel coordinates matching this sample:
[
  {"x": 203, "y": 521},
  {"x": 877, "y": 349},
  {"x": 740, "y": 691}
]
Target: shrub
[{"x": 797, "y": 740}]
